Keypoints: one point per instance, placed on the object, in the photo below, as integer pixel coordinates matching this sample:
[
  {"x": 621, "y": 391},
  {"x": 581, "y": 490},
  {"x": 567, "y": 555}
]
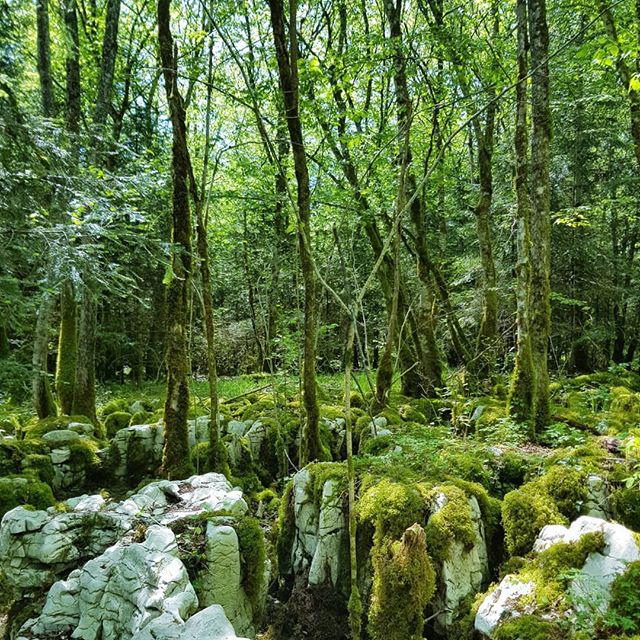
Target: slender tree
[
  {"x": 522, "y": 391},
  {"x": 540, "y": 313},
  {"x": 287, "y": 57},
  {"x": 175, "y": 459},
  {"x": 41, "y": 388}
]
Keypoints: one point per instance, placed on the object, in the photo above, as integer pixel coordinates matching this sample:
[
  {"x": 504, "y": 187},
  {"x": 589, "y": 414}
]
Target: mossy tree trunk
[
  {"x": 41, "y": 389},
  {"x": 67, "y": 336},
  {"x": 522, "y": 390},
  {"x": 287, "y": 57},
  {"x": 355, "y": 603},
  {"x": 175, "y": 458},
  {"x": 44, "y": 58},
  {"x": 540, "y": 316},
  {"x": 66, "y": 362},
  {"x": 430, "y": 363},
  {"x": 40, "y": 386},
  {"x": 205, "y": 275},
  {"x": 84, "y": 388},
  {"x": 384, "y": 375},
  {"x": 5, "y": 350}
]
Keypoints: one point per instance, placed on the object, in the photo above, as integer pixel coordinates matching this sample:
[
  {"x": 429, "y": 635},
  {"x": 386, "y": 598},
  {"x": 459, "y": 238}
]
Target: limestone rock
[
  {"x": 321, "y": 532},
  {"x": 221, "y": 581},
  {"x": 463, "y": 571},
  {"x": 591, "y": 585},
  {"x": 208, "y": 624},
  {"x": 118, "y": 593},
  {"x": 501, "y": 602},
  {"x": 325, "y": 564},
  {"x": 60, "y": 437}
]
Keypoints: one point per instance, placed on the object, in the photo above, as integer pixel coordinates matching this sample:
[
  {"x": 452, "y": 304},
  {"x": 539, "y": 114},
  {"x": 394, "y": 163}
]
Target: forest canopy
[{"x": 423, "y": 188}]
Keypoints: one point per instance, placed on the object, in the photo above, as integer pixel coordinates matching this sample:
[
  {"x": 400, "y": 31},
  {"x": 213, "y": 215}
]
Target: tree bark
[
  {"x": 72, "y": 102},
  {"x": 287, "y": 56},
  {"x": 66, "y": 361},
  {"x": 175, "y": 459},
  {"x": 41, "y": 390},
  {"x": 108, "y": 64},
  {"x": 430, "y": 364},
  {"x": 540, "y": 316},
  {"x": 521, "y": 394},
  {"x": 84, "y": 390},
  {"x": 44, "y": 58}
]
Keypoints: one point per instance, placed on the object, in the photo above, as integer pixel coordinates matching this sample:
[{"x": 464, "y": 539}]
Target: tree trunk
[
  {"x": 4, "y": 342},
  {"x": 67, "y": 338},
  {"x": 488, "y": 334},
  {"x": 430, "y": 364},
  {"x": 72, "y": 102},
  {"x": 108, "y": 65},
  {"x": 66, "y": 362},
  {"x": 215, "y": 462},
  {"x": 175, "y": 459},
  {"x": 84, "y": 390},
  {"x": 44, "y": 58},
  {"x": 287, "y": 57},
  {"x": 521, "y": 394},
  {"x": 41, "y": 391},
  {"x": 540, "y": 316}
]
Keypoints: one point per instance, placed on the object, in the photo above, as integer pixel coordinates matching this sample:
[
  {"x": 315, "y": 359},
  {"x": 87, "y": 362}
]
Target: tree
[
  {"x": 175, "y": 458},
  {"x": 287, "y": 57}
]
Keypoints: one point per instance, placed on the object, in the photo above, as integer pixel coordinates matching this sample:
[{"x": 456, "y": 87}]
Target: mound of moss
[{"x": 26, "y": 491}]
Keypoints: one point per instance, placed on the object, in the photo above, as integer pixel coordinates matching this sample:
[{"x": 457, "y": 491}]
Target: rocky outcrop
[
  {"x": 320, "y": 538},
  {"x": 464, "y": 568},
  {"x": 119, "y": 586},
  {"x": 118, "y": 593},
  {"x": 589, "y": 589}
]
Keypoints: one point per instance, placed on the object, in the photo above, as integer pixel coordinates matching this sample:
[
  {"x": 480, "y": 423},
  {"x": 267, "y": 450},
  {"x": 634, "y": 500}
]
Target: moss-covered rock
[
  {"x": 115, "y": 421},
  {"x": 26, "y": 491},
  {"x": 141, "y": 417},
  {"x": 568, "y": 488},
  {"x": 403, "y": 583},
  {"x": 524, "y": 512}
]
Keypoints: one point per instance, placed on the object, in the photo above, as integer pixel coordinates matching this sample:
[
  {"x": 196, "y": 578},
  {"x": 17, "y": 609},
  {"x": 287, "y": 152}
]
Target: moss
[
  {"x": 201, "y": 461},
  {"x": 38, "y": 428},
  {"x": 141, "y": 417},
  {"x": 490, "y": 507},
  {"x": 513, "y": 469},
  {"x": 427, "y": 408},
  {"x": 377, "y": 446},
  {"x": 253, "y": 556},
  {"x": 39, "y": 466},
  {"x": 392, "y": 507},
  {"x": 624, "y": 401},
  {"x": 84, "y": 455},
  {"x": 358, "y": 401},
  {"x": 410, "y": 413},
  {"x": 450, "y": 522},
  {"x": 26, "y": 491},
  {"x": 118, "y": 404},
  {"x": 557, "y": 559},
  {"x": 568, "y": 488},
  {"x": 116, "y": 421},
  {"x": 524, "y": 512},
  {"x": 403, "y": 584},
  {"x": 529, "y": 627},
  {"x": 261, "y": 405},
  {"x": 626, "y": 506}
]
